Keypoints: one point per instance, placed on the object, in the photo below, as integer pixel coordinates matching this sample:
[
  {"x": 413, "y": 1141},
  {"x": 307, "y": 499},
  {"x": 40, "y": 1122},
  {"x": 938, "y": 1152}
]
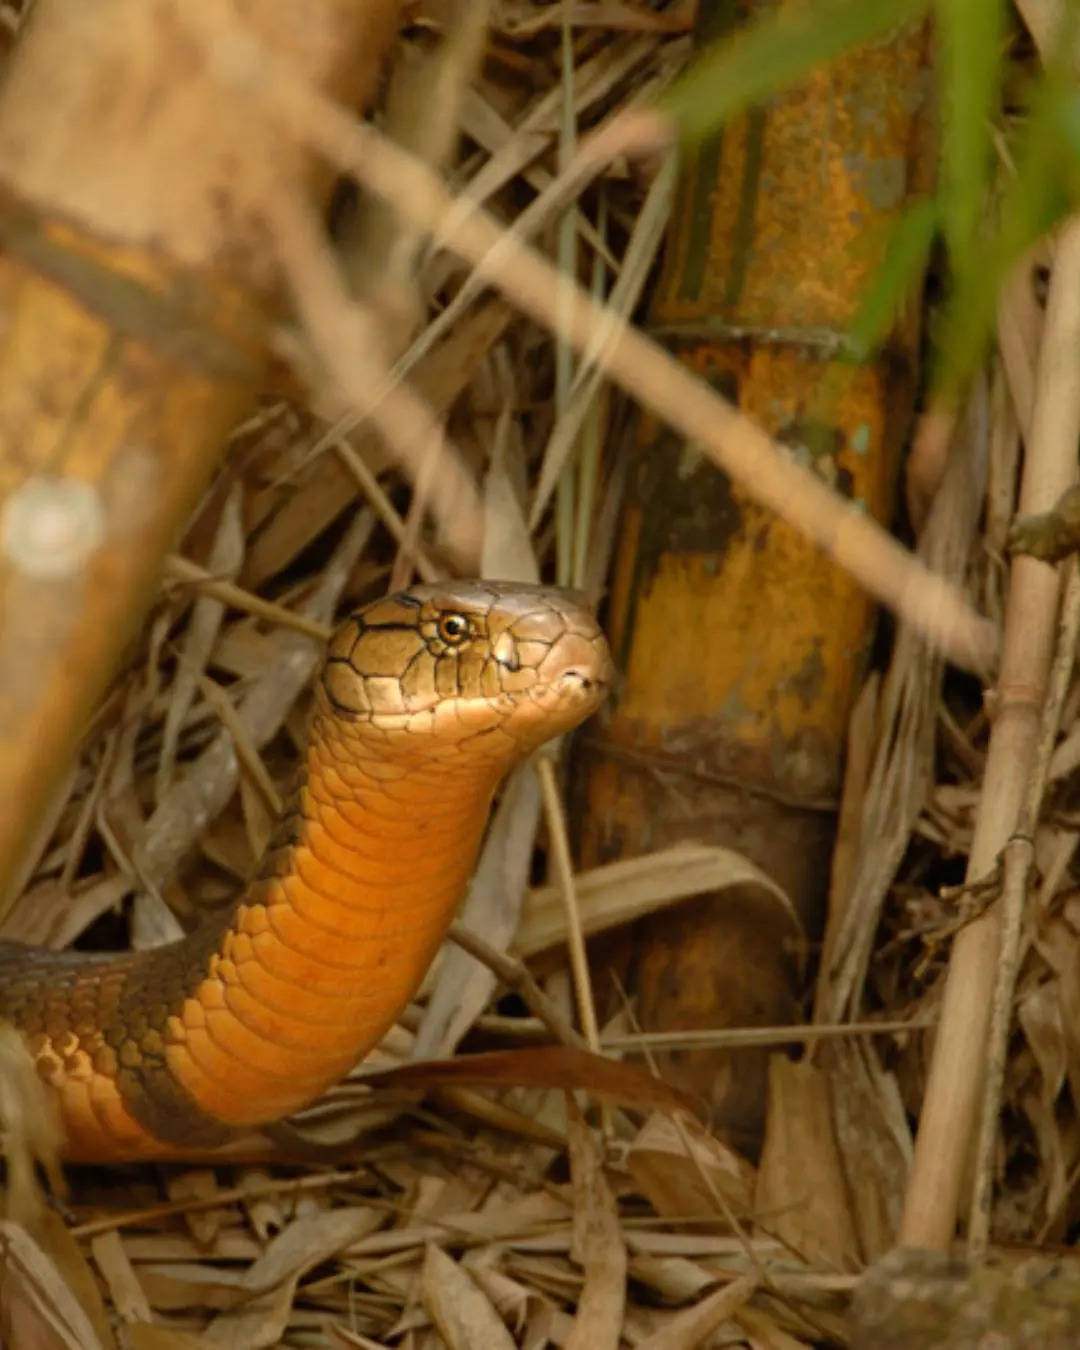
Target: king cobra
[{"x": 425, "y": 700}]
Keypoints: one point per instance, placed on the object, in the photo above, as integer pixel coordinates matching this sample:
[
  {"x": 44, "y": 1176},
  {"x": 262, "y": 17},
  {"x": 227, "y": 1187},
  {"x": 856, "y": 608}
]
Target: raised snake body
[{"x": 425, "y": 701}]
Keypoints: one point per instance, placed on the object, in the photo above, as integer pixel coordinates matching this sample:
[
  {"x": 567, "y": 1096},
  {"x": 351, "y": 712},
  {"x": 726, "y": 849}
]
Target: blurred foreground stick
[{"x": 137, "y": 287}]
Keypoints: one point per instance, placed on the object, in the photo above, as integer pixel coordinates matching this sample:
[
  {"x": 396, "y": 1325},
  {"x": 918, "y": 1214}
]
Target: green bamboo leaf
[
  {"x": 760, "y": 60},
  {"x": 971, "y": 42},
  {"x": 899, "y": 272},
  {"x": 1042, "y": 191}
]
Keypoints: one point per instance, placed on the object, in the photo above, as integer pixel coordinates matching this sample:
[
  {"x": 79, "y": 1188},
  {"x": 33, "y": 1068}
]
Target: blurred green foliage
[{"x": 1006, "y": 175}]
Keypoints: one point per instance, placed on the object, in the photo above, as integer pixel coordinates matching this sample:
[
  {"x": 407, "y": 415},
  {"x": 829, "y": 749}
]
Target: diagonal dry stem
[{"x": 633, "y": 361}]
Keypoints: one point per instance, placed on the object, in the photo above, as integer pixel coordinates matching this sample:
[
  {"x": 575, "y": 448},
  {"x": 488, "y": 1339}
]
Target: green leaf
[
  {"x": 760, "y": 60},
  {"x": 972, "y": 40},
  {"x": 899, "y": 272},
  {"x": 1041, "y": 193}
]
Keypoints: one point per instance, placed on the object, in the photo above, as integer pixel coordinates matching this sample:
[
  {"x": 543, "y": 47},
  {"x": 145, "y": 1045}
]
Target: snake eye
[{"x": 453, "y": 629}]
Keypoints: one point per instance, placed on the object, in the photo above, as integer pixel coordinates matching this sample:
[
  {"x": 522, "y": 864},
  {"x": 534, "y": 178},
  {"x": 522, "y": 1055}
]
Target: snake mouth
[{"x": 586, "y": 682}]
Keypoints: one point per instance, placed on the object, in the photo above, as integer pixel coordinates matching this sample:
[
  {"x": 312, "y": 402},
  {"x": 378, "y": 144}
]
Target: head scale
[{"x": 497, "y": 666}]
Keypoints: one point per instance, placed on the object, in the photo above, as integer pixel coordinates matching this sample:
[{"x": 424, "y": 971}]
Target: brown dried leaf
[
  {"x": 198, "y": 1183},
  {"x": 693, "y": 1326},
  {"x": 144, "y": 1337},
  {"x": 38, "y": 1309},
  {"x": 673, "y": 1182},
  {"x": 597, "y": 1243},
  {"x": 461, "y": 1311},
  {"x": 801, "y": 1194},
  {"x": 128, "y": 1297}
]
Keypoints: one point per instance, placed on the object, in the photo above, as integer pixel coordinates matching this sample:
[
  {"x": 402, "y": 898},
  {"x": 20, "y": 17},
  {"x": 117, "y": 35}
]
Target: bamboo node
[{"x": 1016, "y": 695}]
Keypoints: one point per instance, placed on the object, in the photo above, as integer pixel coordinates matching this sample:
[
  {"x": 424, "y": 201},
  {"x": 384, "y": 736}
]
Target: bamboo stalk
[
  {"x": 136, "y": 289},
  {"x": 945, "y": 1130}
]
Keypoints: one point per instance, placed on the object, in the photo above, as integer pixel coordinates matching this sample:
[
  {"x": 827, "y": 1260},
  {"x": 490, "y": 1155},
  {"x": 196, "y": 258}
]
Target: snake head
[{"x": 496, "y": 668}]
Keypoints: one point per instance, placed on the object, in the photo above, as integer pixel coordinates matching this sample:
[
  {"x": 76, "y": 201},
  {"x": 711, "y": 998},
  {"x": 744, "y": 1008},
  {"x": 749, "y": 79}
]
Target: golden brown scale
[{"x": 426, "y": 699}]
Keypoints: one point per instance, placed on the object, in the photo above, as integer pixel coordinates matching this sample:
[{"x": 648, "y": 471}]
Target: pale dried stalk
[
  {"x": 1018, "y": 860},
  {"x": 948, "y": 1114},
  {"x": 515, "y": 975},
  {"x": 349, "y": 340},
  {"x": 564, "y": 871},
  {"x": 741, "y": 1038},
  {"x": 382, "y": 505},
  {"x": 765, "y": 469}
]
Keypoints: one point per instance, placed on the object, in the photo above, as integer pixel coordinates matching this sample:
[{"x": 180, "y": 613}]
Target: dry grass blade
[
  {"x": 516, "y": 977},
  {"x": 31, "y": 1130},
  {"x": 637, "y": 261},
  {"x": 579, "y": 961},
  {"x": 351, "y": 343},
  {"x": 225, "y": 557},
  {"x": 901, "y": 770},
  {"x": 1018, "y": 860}
]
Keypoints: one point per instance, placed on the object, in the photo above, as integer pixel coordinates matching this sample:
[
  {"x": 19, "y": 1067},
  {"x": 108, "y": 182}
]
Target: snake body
[{"x": 424, "y": 702}]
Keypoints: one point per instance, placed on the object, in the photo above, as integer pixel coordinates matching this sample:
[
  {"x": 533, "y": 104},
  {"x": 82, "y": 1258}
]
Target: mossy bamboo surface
[{"x": 741, "y": 644}]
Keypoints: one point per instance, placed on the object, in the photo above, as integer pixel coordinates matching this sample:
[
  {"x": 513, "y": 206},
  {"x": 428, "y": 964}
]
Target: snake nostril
[{"x": 505, "y": 651}]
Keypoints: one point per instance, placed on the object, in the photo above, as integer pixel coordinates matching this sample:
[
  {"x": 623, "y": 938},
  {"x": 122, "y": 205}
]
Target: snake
[{"x": 425, "y": 700}]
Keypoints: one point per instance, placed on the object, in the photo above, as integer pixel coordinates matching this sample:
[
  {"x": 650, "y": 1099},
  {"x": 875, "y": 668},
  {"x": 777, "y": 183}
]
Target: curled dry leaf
[{"x": 620, "y": 892}]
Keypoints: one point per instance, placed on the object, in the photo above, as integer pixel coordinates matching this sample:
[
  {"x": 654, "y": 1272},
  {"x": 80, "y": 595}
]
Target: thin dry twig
[{"x": 515, "y": 975}]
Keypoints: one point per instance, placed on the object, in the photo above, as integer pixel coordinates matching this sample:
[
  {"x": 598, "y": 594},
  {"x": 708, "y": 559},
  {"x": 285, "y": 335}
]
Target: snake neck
[{"x": 334, "y": 934}]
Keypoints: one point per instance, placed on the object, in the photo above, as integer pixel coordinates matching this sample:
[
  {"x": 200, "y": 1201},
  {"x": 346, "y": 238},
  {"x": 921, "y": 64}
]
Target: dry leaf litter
[{"x": 526, "y": 1215}]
